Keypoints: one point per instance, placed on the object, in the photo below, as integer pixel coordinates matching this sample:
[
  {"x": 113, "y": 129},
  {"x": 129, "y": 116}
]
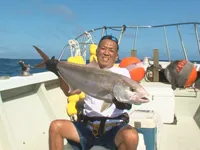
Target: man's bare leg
[
  {"x": 60, "y": 129},
  {"x": 127, "y": 138}
]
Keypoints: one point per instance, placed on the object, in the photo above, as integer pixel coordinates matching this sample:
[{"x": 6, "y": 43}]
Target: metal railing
[{"x": 123, "y": 28}]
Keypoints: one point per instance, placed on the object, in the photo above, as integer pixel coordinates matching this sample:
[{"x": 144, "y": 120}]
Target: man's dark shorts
[{"x": 88, "y": 140}]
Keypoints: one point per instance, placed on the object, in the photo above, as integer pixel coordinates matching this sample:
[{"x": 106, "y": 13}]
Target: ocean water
[{"x": 10, "y": 67}]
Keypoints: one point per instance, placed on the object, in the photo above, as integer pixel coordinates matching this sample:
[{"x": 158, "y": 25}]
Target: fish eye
[{"x": 132, "y": 89}]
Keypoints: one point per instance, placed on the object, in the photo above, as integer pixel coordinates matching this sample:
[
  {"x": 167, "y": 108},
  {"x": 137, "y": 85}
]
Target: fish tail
[{"x": 43, "y": 55}]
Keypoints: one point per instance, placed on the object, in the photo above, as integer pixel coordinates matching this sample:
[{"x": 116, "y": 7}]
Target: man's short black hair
[{"x": 110, "y": 37}]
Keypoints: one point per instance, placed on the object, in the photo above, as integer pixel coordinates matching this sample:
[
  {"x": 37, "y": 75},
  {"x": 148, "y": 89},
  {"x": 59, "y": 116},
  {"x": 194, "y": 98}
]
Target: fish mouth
[{"x": 144, "y": 99}]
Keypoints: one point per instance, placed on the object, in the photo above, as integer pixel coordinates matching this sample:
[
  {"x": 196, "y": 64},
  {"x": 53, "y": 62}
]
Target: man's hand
[{"x": 51, "y": 65}]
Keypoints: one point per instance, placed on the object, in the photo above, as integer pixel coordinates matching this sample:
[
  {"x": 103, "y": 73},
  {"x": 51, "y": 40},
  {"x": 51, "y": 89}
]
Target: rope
[
  {"x": 74, "y": 48},
  {"x": 122, "y": 31}
]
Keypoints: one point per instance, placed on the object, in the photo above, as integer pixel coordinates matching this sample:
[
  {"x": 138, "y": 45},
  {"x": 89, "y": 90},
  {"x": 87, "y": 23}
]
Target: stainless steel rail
[{"x": 164, "y": 26}]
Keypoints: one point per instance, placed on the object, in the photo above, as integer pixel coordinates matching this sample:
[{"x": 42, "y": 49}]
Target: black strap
[
  {"x": 101, "y": 127},
  {"x": 123, "y": 117},
  {"x": 102, "y": 120}
]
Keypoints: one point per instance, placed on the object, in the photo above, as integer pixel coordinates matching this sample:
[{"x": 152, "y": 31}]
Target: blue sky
[{"x": 49, "y": 24}]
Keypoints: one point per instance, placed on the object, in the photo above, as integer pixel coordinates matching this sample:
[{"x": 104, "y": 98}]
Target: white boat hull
[{"x": 29, "y": 104}]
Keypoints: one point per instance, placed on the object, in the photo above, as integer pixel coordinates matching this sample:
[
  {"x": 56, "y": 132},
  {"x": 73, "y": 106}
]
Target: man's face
[{"x": 107, "y": 53}]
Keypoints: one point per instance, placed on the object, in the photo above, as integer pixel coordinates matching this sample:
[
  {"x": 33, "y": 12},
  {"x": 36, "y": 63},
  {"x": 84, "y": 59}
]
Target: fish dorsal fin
[{"x": 93, "y": 63}]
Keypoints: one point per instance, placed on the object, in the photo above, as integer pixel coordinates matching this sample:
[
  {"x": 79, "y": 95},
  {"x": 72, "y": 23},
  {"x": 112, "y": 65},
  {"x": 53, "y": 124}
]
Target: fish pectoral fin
[
  {"x": 104, "y": 95},
  {"x": 70, "y": 86},
  {"x": 71, "y": 89},
  {"x": 105, "y": 106}
]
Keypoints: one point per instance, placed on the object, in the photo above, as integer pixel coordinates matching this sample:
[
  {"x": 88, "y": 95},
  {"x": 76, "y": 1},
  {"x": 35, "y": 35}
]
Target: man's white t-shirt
[{"x": 92, "y": 105}]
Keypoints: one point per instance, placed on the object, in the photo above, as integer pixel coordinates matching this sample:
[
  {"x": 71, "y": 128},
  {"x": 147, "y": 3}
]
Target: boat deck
[
  {"x": 185, "y": 134},
  {"x": 28, "y": 105}
]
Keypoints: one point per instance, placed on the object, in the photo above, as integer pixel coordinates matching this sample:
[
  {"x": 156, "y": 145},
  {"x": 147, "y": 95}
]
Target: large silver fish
[{"x": 99, "y": 83}]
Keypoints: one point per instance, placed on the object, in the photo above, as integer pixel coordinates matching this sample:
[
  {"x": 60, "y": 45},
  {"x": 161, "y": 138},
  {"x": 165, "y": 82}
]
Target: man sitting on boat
[{"x": 108, "y": 128}]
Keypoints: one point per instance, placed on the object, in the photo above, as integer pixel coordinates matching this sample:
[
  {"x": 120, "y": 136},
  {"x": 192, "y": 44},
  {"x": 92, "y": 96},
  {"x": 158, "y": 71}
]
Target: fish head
[{"x": 130, "y": 91}]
